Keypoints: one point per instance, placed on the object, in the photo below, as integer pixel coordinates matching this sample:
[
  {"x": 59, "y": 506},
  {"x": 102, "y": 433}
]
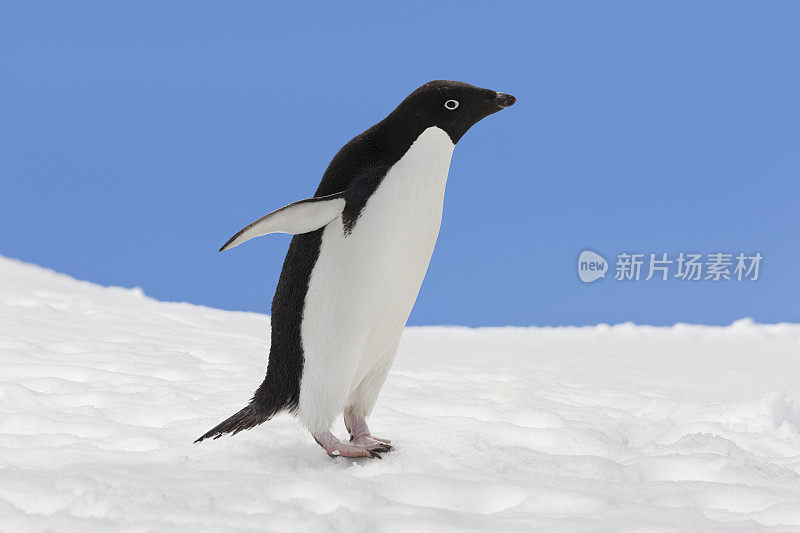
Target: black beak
[{"x": 504, "y": 100}]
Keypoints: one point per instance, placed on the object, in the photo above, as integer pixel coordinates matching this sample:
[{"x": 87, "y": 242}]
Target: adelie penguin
[{"x": 360, "y": 250}]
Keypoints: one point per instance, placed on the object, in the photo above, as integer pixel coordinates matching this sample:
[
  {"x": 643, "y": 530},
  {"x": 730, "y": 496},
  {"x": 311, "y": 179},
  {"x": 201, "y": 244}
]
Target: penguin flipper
[{"x": 298, "y": 217}]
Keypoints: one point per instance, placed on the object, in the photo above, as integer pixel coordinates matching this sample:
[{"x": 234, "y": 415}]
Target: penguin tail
[{"x": 247, "y": 418}]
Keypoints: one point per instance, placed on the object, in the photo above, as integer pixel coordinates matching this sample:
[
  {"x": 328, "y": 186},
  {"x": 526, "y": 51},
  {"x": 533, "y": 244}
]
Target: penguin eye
[{"x": 450, "y": 105}]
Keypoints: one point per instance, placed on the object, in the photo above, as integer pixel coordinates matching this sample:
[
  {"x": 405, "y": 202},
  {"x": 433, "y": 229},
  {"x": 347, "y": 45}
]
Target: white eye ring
[{"x": 451, "y": 105}]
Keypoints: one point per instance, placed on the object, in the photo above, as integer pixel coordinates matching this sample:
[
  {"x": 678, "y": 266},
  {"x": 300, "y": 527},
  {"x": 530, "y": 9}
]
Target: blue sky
[{"x": 138, "y": 137}]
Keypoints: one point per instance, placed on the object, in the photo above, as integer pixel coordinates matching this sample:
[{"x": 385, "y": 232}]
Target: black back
[{"x": 358, "y": 168}]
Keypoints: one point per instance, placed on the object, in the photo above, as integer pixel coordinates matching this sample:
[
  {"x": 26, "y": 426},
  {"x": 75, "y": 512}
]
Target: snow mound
[{"x": 625, "y": 428}]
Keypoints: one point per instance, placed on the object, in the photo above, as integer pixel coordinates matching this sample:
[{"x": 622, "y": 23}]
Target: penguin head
[{"x": 453, "y": 106}]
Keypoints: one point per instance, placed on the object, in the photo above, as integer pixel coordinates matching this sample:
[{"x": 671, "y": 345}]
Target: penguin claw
[
  {"x": 372, "y": 444},
  {"x": 375, "y": 455}
]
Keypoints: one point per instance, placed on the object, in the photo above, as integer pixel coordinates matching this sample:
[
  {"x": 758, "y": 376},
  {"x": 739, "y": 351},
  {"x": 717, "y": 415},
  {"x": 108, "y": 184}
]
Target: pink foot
[
  {"x": 360, "y": 435},
  {"x": 335, "y": 448}
]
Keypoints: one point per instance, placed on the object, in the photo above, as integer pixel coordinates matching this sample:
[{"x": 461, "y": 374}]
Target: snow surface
[{"x": 621, "y": 428}]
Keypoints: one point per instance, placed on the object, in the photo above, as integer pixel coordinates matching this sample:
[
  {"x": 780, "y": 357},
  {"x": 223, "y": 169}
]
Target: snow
[{"x": 605, "y": 428}]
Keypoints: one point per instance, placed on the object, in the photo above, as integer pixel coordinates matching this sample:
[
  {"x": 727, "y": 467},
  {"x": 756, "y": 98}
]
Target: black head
[{"x": 452, "y": 106}]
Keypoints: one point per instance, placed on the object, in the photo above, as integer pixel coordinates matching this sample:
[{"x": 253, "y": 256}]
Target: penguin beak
[{"x": 504, "y": 100}]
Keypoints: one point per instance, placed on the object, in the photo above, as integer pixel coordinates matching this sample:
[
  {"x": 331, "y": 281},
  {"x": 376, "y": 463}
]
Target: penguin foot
[
  {"x": 360, "y": 435},
  {"x": 372, "y": 443},
  {"x": 336, "y": 448}
]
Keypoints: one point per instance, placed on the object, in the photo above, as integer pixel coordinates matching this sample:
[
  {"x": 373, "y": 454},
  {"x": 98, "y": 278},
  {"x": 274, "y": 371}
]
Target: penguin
[{"x": 355, "y": 265}]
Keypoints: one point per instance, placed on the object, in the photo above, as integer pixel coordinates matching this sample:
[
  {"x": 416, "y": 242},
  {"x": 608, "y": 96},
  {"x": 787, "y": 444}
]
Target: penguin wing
[{"x": 298, "y": 217}]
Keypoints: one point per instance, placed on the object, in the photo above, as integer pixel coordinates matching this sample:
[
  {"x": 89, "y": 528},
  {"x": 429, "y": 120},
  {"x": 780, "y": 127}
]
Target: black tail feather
[{"x": 247, "y": 418}]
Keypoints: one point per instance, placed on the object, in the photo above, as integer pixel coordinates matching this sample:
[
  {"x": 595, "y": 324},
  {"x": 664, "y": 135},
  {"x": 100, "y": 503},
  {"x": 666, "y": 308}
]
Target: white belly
[{"x": 364, "y": 284}]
